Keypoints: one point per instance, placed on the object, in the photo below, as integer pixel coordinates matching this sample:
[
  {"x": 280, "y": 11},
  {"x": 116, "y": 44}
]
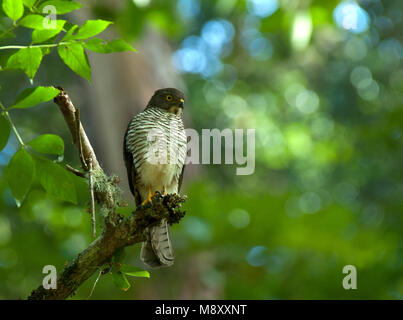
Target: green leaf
[
  {"x": 102, "y": 46},
  {"x": 38, "y": 22},
  {"x": 48, "y": 143},
  {"x": 76, "y": 59},
  {"x": 39, "y": 36},
  {"x": 27, "y": 59},
  {"x": 91, "y": 28},
  {"x": 120, "y": 281},
  {"x": 56, "y": 180},
  {"x": 33, "y": 21},
  {"x": 134, "y": 271},
  {"x": 33, "y": 96},
  {"x": 29, "y": 3},
  {"x": 20, "y": 174},
  {"x": 69, "y": 33},
  {"x": 4, "y": 131},
  {"x": 62, "y": 7},
  {"x": 13, "y": 8}
]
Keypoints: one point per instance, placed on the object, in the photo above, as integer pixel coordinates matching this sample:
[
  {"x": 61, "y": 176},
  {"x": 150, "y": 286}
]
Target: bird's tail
[{"x": 158, "y": 251}]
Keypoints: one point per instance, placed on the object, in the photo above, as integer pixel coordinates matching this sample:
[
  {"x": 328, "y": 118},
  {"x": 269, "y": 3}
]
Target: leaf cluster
[{"x": 48, "y": 32}]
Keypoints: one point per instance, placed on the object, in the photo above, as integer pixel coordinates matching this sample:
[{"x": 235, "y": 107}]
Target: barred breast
[{"x": 157, "y": 141}]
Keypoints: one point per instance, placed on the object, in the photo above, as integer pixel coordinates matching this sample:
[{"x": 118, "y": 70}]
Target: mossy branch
[{"x": 119, "y": 231}]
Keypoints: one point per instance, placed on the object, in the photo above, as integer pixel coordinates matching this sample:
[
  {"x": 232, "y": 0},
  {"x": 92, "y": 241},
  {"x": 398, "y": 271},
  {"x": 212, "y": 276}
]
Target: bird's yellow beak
[{"x": 177, "y": 109}]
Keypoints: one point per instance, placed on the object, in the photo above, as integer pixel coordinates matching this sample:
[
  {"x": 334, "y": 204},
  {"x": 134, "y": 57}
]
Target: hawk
[{"x": 154, "y": 153}]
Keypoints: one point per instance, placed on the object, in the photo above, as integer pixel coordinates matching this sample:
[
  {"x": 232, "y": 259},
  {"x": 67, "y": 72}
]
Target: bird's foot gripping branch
[{"x": 119, "y": 231}]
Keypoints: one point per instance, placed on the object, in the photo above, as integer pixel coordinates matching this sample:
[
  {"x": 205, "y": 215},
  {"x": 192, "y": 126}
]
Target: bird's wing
[
  {"x": 181, "y": 178},
  {"x": 131, "y": 172},
  {"x": 183, "y": 168}
]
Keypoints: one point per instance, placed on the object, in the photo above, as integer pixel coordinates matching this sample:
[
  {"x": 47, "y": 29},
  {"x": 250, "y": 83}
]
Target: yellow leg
[
  {"x": 149, "y": 197},
  {"x": 164, "y": 190}
]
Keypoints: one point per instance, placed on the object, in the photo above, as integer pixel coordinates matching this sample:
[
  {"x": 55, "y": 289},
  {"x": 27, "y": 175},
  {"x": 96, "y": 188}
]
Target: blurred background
[{"x": 320, "y": 81}]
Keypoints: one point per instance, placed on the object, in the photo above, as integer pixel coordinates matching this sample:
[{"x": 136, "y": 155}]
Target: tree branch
[
  {"x": 119, "y": 231},
  {"x": 71, "y": 115}
]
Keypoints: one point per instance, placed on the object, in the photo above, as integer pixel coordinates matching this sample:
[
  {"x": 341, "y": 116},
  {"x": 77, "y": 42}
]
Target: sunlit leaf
[
  {"x": 36, "y": 21},
  {"x": 39, "y": 36},
  {"x": 27, "y": 59},
  {"x": 29, "y": 3},
  {"x": 4, "y": 131},
  {"x": 102, "y": 46},
  {"x": 62, "y": 7},
  {"x": 56, "y": 180},
  {"x": 134, "y": 271},
  {"x": 48, "y": 143},
  {"x": 76, "y": 59},
  {"x": 120, "y": 281},
  {"x": 33, "y": 21},
  {"x": 13, "y": 8},
  {"x": 33, "y": 96},
  {"x": 69, "y": 33},
  {"x": 91, "y": 28},
  {"x": 20, "y": 174}
]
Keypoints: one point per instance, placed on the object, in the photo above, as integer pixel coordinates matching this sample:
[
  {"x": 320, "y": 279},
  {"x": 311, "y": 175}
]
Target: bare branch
[
  {"x": 83, "y": 159},
  {"x": 92, "y": 201},
  {"x": 70, "y": 115},
  {"x": 81, "y": 141},
  {"x": 75, "y": 171}
]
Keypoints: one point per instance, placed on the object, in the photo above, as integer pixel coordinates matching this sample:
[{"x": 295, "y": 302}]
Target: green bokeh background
[{"x": 327, "y": 107}]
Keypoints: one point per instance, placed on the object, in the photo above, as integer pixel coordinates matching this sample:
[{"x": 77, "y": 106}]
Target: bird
[{"x": 155, "y": 147}]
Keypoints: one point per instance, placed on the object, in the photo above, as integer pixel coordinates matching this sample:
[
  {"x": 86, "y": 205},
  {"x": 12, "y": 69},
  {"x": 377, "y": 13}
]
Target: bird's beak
[{"x": 177, "y": 109}]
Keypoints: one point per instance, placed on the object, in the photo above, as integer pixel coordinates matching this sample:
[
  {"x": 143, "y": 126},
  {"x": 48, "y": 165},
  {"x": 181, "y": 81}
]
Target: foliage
[
  {"x": 52, "y": 177},
  {"x": 29, "y": 165},
  {"x": 72, "y": 44}
]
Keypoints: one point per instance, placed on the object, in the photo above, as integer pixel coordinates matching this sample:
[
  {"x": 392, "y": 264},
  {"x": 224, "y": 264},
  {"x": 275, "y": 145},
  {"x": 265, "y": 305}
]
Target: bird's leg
[
  {"x": 149, "y": 197},
  {"x": 164, "y": 190}
]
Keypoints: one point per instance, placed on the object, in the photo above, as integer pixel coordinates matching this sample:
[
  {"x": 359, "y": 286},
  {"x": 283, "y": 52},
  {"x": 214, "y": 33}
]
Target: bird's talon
[
  {"x": 149, "y": 198},
  {"x": 146, "y": 201}
]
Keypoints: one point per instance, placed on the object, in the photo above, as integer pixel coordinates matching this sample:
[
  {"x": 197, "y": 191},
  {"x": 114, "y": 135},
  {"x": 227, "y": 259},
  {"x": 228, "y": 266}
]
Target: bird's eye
[{"x": 169, "y": 97}]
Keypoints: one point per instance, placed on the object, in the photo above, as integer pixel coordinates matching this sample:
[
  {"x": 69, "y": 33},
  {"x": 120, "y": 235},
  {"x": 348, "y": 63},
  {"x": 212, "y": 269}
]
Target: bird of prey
[{"x": 154, "y": 153}]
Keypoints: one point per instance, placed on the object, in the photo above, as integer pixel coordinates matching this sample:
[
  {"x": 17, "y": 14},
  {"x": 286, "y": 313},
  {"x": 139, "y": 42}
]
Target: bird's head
[{"x": 169, "y": 99}]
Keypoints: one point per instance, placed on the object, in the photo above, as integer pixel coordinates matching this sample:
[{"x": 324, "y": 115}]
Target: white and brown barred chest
[{"x": 157, "y": 141}]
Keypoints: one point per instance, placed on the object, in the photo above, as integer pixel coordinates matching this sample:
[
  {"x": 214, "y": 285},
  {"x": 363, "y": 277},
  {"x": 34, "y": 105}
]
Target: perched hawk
[{"x": 154, "y": 152}]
